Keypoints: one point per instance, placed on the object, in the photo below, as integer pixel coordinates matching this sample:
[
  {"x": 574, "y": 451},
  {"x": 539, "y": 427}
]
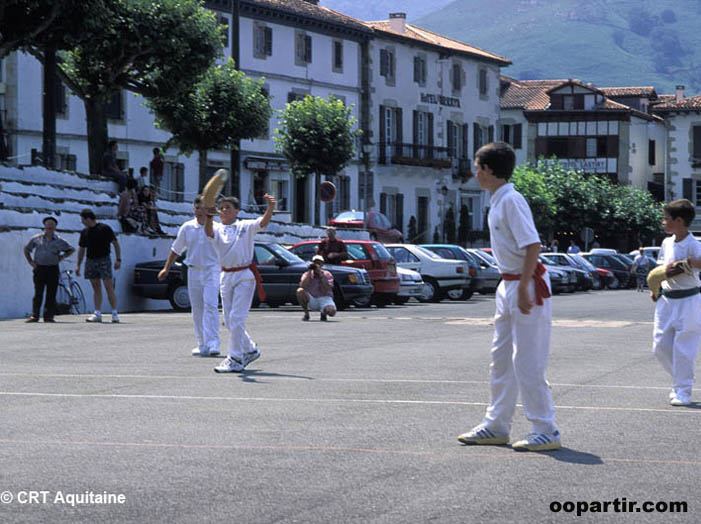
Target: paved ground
[{"x": 350, "y": 421}]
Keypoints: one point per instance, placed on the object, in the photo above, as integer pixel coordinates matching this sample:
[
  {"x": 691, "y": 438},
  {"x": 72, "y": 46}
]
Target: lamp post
[{"x": 367, "y": 149}]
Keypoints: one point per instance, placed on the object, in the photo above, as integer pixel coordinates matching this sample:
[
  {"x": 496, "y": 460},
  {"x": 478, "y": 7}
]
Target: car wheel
[
  {"x": 362, "y": 301},
  {"x": 400, "y": 301},
  {"x": 338, "y": 298},
  {"x": 179, "y": 298},
  {"x": 431, "y": 291},
  {"x": 614, "y": 283},
  {"x": 596, "y": 284},
  {"x": 459, "y": 294}
]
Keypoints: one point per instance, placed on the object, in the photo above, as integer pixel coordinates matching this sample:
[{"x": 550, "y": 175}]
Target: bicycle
[{"x": 69, "y": 295}]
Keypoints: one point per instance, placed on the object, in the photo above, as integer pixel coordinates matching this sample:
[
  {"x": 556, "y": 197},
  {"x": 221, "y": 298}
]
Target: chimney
[
  {"x": 680, "y": 93},
  {"x": 397, "y": 22},
  {"x": 315, "y": 2}
]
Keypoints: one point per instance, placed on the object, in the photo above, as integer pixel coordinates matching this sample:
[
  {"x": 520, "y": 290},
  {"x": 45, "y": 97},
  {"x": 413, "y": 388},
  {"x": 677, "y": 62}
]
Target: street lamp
[{"x": 367, "y": 149}]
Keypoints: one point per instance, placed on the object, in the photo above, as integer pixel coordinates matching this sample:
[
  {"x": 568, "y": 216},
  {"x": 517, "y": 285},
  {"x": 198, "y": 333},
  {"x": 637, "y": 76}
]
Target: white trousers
[
  {"x": 203, "y": 290},
  {"x": 237, "y": 289},
  {"x": 520, "y": 351},
  {"x": 676, "y": 338}
]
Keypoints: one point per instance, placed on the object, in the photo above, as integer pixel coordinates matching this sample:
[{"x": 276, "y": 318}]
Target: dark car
[
  {"x": 621, "y": 272},
  {"x": 280, "y": 270},
  {"x": 567, "y": 283},
  {"x": 585, "y": 278},
  {"x": 376, "y": 223},
  {"x": 452, "y": 251}
]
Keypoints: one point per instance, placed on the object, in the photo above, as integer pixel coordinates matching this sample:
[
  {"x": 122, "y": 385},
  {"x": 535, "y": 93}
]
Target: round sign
[
  {"x": 587, "y": 234},
  {"x": 327, "y": 191}
]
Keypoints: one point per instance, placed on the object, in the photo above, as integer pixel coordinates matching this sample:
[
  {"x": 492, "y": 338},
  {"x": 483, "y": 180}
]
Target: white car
[
  {"x": 440, "y": 275},
  {"x": 410, "y": 285},
  {"x": 650, "y": 252}
]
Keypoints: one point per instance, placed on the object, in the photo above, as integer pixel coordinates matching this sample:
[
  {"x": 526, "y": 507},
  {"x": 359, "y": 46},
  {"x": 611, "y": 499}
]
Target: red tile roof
[
  {"x": 310, "y": 10},
  {"x": 692, "y": 103},
  {"x": 618, "y": 92},
  {"x": 413, "y": 32}
]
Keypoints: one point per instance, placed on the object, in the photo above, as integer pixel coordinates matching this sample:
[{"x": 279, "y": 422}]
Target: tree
[
  {"x": 531, "y": 183},
  {"x": 464, "y": 226},
  {"x": 151, "y": 47},
  {"x": 224, "y": 106},
  {"x": 316, "y": 136}
]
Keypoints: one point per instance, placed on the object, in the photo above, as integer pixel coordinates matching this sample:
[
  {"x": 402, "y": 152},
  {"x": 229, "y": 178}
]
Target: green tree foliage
[
  {"x": 316, "y": 136},
  {"x": 531, "y": 183},
  {"x": 224, "y": 106},
  {"x": 150, "y": 47}
]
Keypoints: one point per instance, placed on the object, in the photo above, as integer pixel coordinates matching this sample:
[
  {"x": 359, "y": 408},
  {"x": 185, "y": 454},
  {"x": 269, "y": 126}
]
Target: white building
[{"x": 434, "y": 101}]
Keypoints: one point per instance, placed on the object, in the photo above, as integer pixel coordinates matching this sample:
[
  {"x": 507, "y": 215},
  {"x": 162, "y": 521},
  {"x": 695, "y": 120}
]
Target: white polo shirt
[
  {"x": 511, "y": 228},
  {"x": 200, "y": 251},
  {"x": 672, "y": 251},
  {"x": 235, "y": 243}
]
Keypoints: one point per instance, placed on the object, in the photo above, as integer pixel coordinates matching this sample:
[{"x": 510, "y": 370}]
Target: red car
[
  {"x": 378, "y": 225},
  {"x": 366, "y": 254}
]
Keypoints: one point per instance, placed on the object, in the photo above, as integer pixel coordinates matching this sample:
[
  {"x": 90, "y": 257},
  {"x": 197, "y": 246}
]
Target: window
[
  {"x": 224, "y": 22},
  {"x": 337, "y": 56},
  {"x": 511, "y": 134},
  {"x": 420, "y": 70},
  {"x": 65, "y": 162},
  {"x": 115, "y": 107},
  {"x": 262, "y": 41},
  {"x": 293, "y": 96},
  {"x": 303, "y": 49},
  {"x": 697, "y": 142},
  {"x": 61, "y": 103},
  {"x": 456, "y": 77},
  {"x": 279, "y": 189},
  {"x": 391, "y": 136},
  {"x": 651, "y": 152},
  {"x": 483, "y": 82},
  {"x": 387, "y": 63},
  {"x": 264, "y": 257},
  {"x": 266, "y": 132},
  {"x": 173, "y": 182}
]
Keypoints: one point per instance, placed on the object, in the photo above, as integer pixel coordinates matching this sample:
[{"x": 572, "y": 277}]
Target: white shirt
[
  {"x": 511, "y": 228},
  {"x": 235, "y": 243},
  {"x": 672, "y": 251},
  {"x": 200, "y": 252}
]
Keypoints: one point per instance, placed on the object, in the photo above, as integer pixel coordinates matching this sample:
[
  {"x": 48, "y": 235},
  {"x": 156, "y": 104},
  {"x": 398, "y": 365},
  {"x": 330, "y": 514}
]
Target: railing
[
  {"x": 462, "y": 169},
  {"x": 413, "y": 155}
]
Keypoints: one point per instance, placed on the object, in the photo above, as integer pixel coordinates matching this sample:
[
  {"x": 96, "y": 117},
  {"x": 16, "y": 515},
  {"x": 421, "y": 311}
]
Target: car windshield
[
  {"x": 381, "y": 250},
  {"x": 284, "y": 253},
  {"x": 427, "y": 252},
  {"x": 357, "y": 251},
  {"x": 348, "y": 216},
  {"x": 486, "y": 256},
  {"x": 547, "y": 261},
  {"x": 583, "y": 262}
]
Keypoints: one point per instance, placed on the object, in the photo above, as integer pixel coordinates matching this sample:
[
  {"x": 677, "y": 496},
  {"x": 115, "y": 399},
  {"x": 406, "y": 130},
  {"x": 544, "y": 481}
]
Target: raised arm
[{"x": 268, "y": 215}]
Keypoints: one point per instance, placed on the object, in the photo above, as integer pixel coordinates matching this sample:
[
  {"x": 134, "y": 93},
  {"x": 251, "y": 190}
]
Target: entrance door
[
  {"x": 422, "y": 219},
  {"x": 260, "y": 188},
  {"x": 301, "y": 200}
]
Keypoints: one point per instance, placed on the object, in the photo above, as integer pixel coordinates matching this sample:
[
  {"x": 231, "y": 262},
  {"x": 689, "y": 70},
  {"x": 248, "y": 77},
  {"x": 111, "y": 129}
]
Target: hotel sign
[
  {"x": 430, "y": 98},
  {"x": 265, "y": 164}
]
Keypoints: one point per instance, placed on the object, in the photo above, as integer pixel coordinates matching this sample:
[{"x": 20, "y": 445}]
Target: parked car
[
  {"x": 650, "y": 252},
  {"x": 376, "y": 223},
  {"x": 440, "y": 275},
  {"x": 602, "y": 251},
  {"x": 570, "y": 282},
  {"x": 585, "y": 277},
  {"x": 364, "y": 254},
  {"x": 411, "y": 285},
  {"x": 280, "y": 270},
  {"x": 621, "y": 273},
  {"x": 455, "y": 252},
  {"x": 489, "y": 268}
]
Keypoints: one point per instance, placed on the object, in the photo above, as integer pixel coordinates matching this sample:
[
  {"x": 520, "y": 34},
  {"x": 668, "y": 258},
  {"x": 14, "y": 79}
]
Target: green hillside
[{"x": 607, "y": 42}]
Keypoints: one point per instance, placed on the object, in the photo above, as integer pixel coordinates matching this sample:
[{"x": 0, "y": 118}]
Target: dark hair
[
  {"x": 87, "y": 213},
  {"x": 49, "y": 218},
  {"x": 131, "y": 183},
  {"x": 681, "y": 208},
  {"x": 231, "y": 200},
  {"x": 156, "y": 151},
  {"x": 198, "y": 199},
  {"x": 143, "y": 169},
  {"x": 500, "y": 158}
]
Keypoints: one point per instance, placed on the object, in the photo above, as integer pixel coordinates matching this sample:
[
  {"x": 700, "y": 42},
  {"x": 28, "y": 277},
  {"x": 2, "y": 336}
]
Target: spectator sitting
[
  {"x": 110, "y": 169},
  {"x": 315, "y": 290},
  {"x": 331, "y": 248},
  {"x": 147, "y": 199},
  {"x": 132, "y": 215},
  {"x": 142, "y": 179}
]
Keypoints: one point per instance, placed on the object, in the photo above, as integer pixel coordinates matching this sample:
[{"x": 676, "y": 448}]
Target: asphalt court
[{"x": 352, "y": 420}]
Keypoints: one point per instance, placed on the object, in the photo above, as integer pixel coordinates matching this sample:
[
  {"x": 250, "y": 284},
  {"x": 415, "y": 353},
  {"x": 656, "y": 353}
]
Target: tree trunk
[
  {"x": 317, "y": 201},
  {"x": 49, "y": 106},
  {"x": 3, "y": 145},
  {"x": 97, "y": 132}
]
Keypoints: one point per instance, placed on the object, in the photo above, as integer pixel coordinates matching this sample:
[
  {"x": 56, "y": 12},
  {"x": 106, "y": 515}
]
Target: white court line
[
  {"x": 328, "y": 401},
  {"x": 314, "y": 379}
]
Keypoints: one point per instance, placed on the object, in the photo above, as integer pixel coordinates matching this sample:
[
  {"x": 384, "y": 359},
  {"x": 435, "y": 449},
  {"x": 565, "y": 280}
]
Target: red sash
[
  {"x": 259, "y": 280},
  {"x": 541, "y": 286}
]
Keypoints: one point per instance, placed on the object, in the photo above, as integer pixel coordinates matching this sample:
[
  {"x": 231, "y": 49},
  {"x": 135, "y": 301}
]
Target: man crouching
[{"x": 315, "y": 290}]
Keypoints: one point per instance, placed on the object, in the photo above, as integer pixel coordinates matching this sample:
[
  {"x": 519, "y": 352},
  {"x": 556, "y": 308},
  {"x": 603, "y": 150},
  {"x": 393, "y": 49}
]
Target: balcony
[
  {"x": 462, "y": 169},
  {"x": 414, "y": 155}
]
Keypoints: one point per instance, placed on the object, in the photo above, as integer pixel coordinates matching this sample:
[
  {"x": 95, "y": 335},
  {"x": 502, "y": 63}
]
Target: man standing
[
  {"x": 573, "y": 249},
  {"x": 95, "y": 240},
  {"x": 50, "y": 250},
  {"x": 156, "y": 165},
  {"x": 331, "y": 248},
  {"x": 110, "y": 169},
  {"x": 203, "y": 272},
  {"x": 316, "y": 290}
]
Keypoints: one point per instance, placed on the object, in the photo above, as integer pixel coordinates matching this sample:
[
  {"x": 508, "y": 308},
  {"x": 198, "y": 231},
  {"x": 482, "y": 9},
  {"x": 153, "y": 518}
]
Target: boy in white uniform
[
  {"x": 234, "y": 243},
  {"x": 523, "y": 317},
  {"x": 677, "y": 330},
  {"x": 203, "y": 271}
]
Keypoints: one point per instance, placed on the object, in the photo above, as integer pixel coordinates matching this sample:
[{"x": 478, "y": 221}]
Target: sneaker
[
  {"x": 680, "y": 400},
  {"x": 323, "y": 317},
  {"x": 538, "y": 442},
  {"x": 50, "y": 320},
  {"x": 211, "y": 353},
  {"x": 250, "y": 357},
  {"x": 31, "y": 319},
  {"x": 672, "y": 394},
  {"x": 94, "y": 318},
  {"x": 483, "y": 436},
  {"x": 305, "y": 318},
  {"x": 115, "y": 318},
  {"x": 229, "y": 365}
]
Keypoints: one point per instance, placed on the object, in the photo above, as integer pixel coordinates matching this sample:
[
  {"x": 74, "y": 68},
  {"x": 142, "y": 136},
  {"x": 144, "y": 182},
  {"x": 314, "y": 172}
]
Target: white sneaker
[
  {"x": 196, "y": 353},
  {"x": 115, "y": 318},
  {"x": 680, "y": 400},
  {"x": 538, "y": 442},
  {"x": 481, "y": 435},
  {"x": 229, "y": 365},
  {"x": 250, "y": 357},
  {"x": 94, "y": 318}
]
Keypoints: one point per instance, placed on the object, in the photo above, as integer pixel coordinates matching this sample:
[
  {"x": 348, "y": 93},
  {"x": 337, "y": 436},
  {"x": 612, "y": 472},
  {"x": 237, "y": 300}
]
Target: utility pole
[
  {"x": 235, "y": 187},
  {"x": 48, "y": 152}
]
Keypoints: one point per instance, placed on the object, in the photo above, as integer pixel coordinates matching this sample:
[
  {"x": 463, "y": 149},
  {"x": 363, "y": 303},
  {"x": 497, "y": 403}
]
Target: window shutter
[
  {"x": 390, "y": 64},
  {"x": 612, "y": 146},
  {"x": 688, "y": 189},
  {"x": 697, "y": 142},
  {"x": 429, "y": 130},
  {"x": 475, "y": 138},
  {"x": 491, "y": 133},
  {"x": 416, "y": 133},
  {"x": 456, "y": 77},
  {"x": 383, "y": 135},
  {"x": 400, "y": 212},
  {"x": 268, "y": 41},
  {"x": 307, "y": 48},
  {"x": 451, "y": 139},
  {"x": 383, "y": 203},
  {"x": 465, "y": 131},
  {"x": 417, "y": 72},
  {"x": 399, "y": 131},
  {"x": 383, "y": 62},
  {"x": 179, "y": 182},
  {"x": 651, "y": 152},
  {"x": 517, "y": 130}
]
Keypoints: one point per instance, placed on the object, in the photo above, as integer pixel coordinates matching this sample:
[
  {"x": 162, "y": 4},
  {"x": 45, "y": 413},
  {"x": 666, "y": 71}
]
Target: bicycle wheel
[
  {"x": 77, "y": 300},
  {"x": 63, "y": 300}
]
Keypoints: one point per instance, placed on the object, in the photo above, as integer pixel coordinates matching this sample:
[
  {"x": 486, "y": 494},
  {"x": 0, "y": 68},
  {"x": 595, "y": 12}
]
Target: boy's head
[
  {"x": 156, "y": 151},
  {"x": 499, "y": 157},
  {"x": 143, "y": 171},
  {"x": 680, "y": 209},
  {"x": 229, "y": 208}
]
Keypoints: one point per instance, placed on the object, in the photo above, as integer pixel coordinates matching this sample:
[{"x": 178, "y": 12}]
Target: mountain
[
  {"x": 607, "y": 42},
  {"x": 380, "y": 9}
]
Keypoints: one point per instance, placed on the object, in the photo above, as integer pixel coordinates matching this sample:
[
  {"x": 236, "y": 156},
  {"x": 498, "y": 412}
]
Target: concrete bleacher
[{"x": 30, "y": 193}]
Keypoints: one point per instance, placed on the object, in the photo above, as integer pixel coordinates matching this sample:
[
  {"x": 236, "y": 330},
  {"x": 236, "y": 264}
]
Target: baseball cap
[
  {"x": 318, "y": 258},
  {"x": 49, "y": 218}
]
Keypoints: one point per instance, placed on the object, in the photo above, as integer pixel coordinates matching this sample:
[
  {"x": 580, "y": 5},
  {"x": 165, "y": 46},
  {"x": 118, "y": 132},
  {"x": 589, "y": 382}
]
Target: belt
[
  {"x": 254, "y": 269},
  {"x": 679, "y": 293},
  {"x": 541, "y": 286}
]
